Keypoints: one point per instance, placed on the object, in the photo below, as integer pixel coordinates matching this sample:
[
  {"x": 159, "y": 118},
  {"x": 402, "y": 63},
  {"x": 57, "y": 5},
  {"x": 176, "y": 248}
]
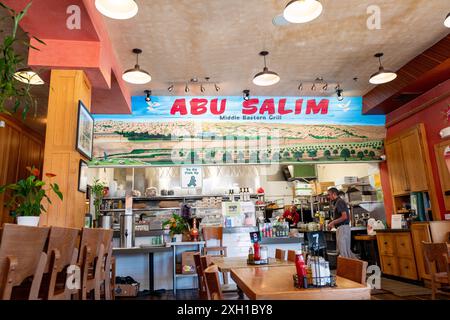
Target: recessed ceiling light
[
  {"x": 382, "y": 75},
  {"x": 339, "y": 93},
  {"x": 266, "y": 77},
  {"x": 117, "y": 9},
  {"x": 302, "y": 11},
  {"x": 28, "y": 76},
  {"x": 447, "y": 21},
  {"x": 136, "y": 75}
]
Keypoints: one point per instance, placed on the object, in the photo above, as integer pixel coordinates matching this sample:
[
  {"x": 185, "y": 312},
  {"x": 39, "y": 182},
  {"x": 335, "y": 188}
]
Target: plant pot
[
  {"x": 177, "y": 237},
  {"x": 28, "y": 221}
]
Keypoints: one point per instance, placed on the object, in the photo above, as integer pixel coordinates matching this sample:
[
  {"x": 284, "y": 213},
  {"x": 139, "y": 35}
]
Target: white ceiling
[{"x": 221, "y": 39}]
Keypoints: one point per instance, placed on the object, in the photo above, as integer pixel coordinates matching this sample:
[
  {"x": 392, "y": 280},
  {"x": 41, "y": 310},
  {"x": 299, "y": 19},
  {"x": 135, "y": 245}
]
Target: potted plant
[
  {"x": 98, "y": 189},
  {"x": 14, "y": 85},
  {"x": 27, "y": 196},
  {"x": 176, "y": 226}
]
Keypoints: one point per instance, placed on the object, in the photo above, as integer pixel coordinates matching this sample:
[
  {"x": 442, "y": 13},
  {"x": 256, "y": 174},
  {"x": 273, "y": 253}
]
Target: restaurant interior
[{"x": 224, "y": 150}]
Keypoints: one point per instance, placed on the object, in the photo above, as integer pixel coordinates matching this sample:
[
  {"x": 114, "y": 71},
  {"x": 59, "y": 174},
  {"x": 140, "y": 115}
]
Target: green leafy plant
[
  {"x": 97, "y": 189},
  {"x": 27, "y": 194},
  {"x": 10, "y": 88},
  {"x": 176, "y": 224}
]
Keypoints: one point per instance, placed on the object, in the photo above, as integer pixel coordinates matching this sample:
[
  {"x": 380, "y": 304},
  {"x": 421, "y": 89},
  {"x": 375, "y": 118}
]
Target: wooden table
[
  {"x": 225, "y": 264},
  {"x": 269, "y": 283}
]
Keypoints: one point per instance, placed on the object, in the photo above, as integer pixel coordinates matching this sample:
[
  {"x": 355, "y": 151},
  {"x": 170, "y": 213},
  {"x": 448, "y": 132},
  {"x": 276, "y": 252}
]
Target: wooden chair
[
  {"x": 91, "y": 254},
  {"x": 21, "y": 256},
  {"x": 437, "y": 262},
  {"x": 107, "y": 270},
  {"x": 280, "y": 254},
  {"x": 215, "y": 233},
  {"x": 202, "y": 290},
  {"x": 291, "y": 255},
  {"x": 352, "y": 269},
  {"x": 213, "y": 283},
  {"x": 62, "y": 248}
]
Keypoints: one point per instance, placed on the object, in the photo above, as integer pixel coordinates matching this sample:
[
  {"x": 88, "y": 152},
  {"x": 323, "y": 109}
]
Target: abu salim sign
[{"x": 217, "y": 130}]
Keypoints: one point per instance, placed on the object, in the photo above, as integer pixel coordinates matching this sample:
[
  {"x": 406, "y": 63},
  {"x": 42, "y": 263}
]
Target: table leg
[
  {"x": 174, "y": 250},
  {"x": 240, "y": 293},
  {"x": 151, "y": 277}
]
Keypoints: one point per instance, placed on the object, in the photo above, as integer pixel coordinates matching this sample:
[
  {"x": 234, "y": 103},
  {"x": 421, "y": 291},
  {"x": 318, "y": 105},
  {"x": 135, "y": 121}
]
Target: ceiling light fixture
[
  {"x": 136, "y": 75},
  {"x": 117, "y": 9},
  {"x": 300, "y": 86},
  {"x": 246, "y": 94},
  {"x": 325, "y": 87},
  {"x": 186, "y": 89},
  {"x": 216, "y": 87},
  {"x": 382, "y": 75},
  {"x": 313, "y": 87},
  {"x": 447, "y": 20},
  {"x": 202, "y": 88},
  {"x": 266, "y": 77},
  {"x": 339, "y": 93},
  {"x": 148, "y": 95},
  {"x": 28, "y": 76},
  {"x": 170, "y": 88},
  {"x": 302, "y": 11}
]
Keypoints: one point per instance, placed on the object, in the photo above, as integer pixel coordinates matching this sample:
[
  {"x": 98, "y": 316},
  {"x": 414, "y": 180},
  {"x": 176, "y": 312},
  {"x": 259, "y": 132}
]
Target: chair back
[
  {"x": 21, "y": 256},
  {"x": 91, "y": 239},
  {"x": 213, "y": 283},
  {"x": 205, "y": 262},
  {"x": 291, "y": 255},
  {"x": 212, "y": 233},
  {"x": 200, "y": 276},
  {"x": 436, "y": 257},
  {"x": 280, "y": 254},
  {"x": 352, "y": 269},
  {"x": 65, "y": 240}
]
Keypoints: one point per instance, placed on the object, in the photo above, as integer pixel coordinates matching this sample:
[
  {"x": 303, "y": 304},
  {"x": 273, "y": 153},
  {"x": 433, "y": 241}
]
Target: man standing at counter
[{"x": 342, "y": 224}]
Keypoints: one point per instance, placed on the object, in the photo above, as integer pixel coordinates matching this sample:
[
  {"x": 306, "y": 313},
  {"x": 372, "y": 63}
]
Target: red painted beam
[{"x": 88, "y": 48}]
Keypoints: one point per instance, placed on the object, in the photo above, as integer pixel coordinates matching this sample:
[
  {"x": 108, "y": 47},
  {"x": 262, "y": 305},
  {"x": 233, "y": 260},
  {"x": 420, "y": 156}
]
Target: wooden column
[{"x": 67, "y": 87}]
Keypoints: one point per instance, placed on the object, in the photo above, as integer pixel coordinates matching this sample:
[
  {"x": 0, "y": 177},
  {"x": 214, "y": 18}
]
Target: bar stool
[{"x": 368, "y": 248}]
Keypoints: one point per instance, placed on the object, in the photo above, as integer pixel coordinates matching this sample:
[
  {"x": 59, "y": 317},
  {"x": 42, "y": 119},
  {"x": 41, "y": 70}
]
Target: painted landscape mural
[{"x": 228, "y": 130}]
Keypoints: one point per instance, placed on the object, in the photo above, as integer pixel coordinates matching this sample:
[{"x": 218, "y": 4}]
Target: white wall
[{"x": 331, "y": 172}]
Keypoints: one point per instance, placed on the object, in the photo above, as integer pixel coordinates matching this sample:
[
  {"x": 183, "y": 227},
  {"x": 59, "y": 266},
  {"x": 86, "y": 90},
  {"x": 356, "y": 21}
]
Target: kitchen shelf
[
  {"x": 140, "y": 210},
  {"x": 188, "y": 275},
  {"x": 185, "y": 197}
]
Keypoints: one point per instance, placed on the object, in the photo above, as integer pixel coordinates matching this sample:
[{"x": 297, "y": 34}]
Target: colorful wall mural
[{"x": 225, "y": 130}]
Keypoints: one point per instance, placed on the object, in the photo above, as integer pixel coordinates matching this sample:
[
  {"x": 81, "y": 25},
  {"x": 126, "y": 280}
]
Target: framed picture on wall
[
  {"x": 82, "y": 177},
  {"x": 85, "y": 131}
]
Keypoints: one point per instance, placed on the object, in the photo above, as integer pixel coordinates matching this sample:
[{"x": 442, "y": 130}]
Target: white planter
[
  {"x": 177, "y": 237},
  {"x": 28, "y": 221}
]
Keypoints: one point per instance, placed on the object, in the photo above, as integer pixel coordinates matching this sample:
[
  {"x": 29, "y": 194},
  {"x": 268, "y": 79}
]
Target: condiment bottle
[
  {"x": 256, "y": 251},
  {"x": 301, "y": 268}
]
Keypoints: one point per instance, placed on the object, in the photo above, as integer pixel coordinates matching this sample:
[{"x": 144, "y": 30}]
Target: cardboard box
[
  {"x": 187, "y": 262},
  {"x": 126, "y": 290}
]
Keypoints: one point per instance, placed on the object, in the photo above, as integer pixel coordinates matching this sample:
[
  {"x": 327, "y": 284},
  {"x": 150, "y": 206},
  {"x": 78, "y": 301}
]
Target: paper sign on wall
[{"x": 191, "y": 177}]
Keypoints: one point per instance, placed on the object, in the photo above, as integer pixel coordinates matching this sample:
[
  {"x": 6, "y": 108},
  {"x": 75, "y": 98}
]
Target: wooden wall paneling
[
  {"x": 398, "y": 178},
  {"x": 444, "y": 174},
  {"x": 67, "y": 87},
  {"x": 413, "y": 156}
]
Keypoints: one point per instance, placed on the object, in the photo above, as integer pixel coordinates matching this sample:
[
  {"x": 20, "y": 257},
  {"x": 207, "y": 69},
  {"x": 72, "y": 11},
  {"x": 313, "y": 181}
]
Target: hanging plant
[{"x": 12, "y": 90}]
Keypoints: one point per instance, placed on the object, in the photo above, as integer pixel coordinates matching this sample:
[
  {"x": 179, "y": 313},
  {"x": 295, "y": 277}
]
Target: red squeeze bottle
[
  {"x": 257, "y": 251},
  {"x": 300, "y": 266}
]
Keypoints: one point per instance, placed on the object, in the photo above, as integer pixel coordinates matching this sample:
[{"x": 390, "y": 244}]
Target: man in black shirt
[{"x": 341, "y": 222}]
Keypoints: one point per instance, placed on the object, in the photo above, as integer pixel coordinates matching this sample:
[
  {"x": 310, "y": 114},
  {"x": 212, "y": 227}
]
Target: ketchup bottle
[
  {"x": 301, "y": 268},
  {"x": 256, "y": 251}
]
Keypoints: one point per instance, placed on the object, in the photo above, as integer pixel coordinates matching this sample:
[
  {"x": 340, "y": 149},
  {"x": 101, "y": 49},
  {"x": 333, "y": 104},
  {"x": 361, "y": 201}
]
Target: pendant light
[
  {"x": 136, "y": 75},
  {"x": 28, "y": 76},
  {"x": 117, "y": 9},
  {"x": 447, "y": 21},
  {"x": 382, "y": 75},
  {"x": 266, "y": 77},
  {"x": 302, "y": 11}
]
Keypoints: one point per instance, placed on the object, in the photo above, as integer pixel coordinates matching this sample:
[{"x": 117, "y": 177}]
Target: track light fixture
[
  {"x": 148, "y": 95},
  {"x": 325, "y": 87},
  {"x": 266, "y": 77},
  {"x": 313, "y": 87},
  {"x": 382, "y": 75},
  {"x": 170, "y": 88},
  {"x": 186, "y": 89},
  {"x": 136, "y": 75},
  {"x": 202, "y": 88},
  {"x": 339, "y": 93},
  {"x": 300, "y": 86},
  {"x": 216, "y": 87},
  {"x": 246, "y": 94},
  {"x": 301, "y": 11}
]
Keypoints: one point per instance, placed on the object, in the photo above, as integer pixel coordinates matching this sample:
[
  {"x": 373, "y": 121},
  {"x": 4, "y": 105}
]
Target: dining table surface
[
  {"x": 276, "y": 283},
  {"x": 225, "y": 264}
]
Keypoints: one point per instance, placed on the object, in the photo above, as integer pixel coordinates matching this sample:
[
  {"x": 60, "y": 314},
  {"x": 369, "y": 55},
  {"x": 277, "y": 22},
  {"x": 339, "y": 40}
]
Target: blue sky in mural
[{"x": 346, "y": 112}]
